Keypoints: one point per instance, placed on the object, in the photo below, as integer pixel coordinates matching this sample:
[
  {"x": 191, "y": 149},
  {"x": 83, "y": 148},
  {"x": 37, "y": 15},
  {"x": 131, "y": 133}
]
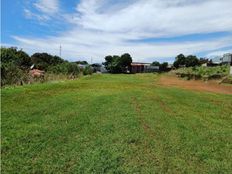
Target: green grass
[{"x": 114, "y": 124}]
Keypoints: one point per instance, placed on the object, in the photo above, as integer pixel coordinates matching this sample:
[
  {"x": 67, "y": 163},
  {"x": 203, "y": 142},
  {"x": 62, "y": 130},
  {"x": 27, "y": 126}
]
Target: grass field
[{"x": 115, "y": 124}]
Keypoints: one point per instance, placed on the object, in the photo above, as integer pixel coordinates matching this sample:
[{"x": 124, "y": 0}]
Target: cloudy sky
[{"x": 91, "y": 29}]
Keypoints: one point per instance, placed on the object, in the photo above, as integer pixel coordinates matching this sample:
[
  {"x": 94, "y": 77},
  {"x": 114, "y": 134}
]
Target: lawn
[{"x": 114, "y": 124}]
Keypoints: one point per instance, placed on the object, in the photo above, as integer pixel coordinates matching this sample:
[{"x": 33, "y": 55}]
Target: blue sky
[{"x": 91, "y": 29}]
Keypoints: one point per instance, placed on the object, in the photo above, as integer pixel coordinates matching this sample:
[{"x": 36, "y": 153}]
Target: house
[
  {"x": 151, "y": 68},
  {"x": 82, "y": 66},
  {"x": 103, "y": 69},
  {"x": 98, "y": 68},
  {"x": 216, "y": 60},
  {"x": 204, "y": 64},
  {"x": 169, "y": 67},
  {"x": 137, "y": 67},
  {"x": 227, "y": 59}
]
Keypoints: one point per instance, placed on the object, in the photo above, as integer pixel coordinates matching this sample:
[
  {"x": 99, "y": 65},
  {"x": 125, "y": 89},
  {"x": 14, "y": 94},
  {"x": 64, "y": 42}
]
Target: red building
[{"x": 137, "y": 67}]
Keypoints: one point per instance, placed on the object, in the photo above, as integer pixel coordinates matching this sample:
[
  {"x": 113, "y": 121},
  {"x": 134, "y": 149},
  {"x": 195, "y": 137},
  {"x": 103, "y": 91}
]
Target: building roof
[{"x": 139, "y": 64}]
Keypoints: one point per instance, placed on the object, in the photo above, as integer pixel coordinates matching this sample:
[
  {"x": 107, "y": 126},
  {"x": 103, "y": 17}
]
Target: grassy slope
[{"x": 115, "y": 123}]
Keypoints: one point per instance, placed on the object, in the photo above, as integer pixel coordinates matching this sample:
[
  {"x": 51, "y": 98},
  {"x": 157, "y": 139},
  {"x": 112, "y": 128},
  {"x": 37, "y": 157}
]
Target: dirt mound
[{"x": 197, "y": 85}]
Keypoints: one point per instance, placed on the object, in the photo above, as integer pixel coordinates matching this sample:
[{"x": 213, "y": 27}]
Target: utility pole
[{"x": 60, "y": 50}]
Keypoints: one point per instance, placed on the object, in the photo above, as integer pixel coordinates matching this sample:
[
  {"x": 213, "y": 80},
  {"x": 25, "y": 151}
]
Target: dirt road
[{"x": 197, "y": 85}]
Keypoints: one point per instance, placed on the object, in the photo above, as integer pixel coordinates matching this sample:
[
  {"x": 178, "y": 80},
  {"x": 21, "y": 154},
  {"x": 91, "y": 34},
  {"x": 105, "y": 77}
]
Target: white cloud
[
  {"x": 219, "y": 53},
  {"x": 158, "y": 17},
  {"x": 30, "y": 15},
  {"x": 76, "y": 46},
  {"x": 47, "y": 6},
  {"x": 102, "y": 27},
  {"x": 42, "y": 10}
]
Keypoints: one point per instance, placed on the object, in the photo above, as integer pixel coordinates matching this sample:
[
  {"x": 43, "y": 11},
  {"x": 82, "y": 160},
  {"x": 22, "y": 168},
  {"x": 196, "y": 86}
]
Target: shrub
[
  {"x": 11, "y": 74},
  {"x": 204, "y": 73},
  {"x": 65, "y": 68},
  {"x": 87, "y": 70}
]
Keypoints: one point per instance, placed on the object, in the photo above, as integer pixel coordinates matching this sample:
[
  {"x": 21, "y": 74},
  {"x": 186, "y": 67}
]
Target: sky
[{"x": 149, "y": 30}]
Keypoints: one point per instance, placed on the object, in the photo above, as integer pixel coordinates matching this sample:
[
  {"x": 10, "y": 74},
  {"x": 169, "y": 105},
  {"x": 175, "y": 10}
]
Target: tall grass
[{"x": 205, "y": 73}]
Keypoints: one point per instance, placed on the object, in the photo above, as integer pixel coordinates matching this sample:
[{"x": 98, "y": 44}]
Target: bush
[
  {"x": 71, "y": 69},
  {"x": 12, "y": 74},
  {"x": 87, "y": 70},
  {"x": 204, "y": 73}
]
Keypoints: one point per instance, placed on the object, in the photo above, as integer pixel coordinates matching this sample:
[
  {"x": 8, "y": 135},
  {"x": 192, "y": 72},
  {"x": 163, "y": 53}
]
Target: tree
[
  {"x": 188, "y": 61},
  {"x": 8, "y": 54},
  {"x": 191, "y": 61},
  {"x": 179, "y": 60},
  {"x": 19, "y": 58},
  {"x": 111, "y": 63},
  {"x": 44, "y": 60},
  {"x": 108, "y": 63},
  {"x": 156, "y": 63},
  {"x": 24, "y": 61},
  {"x": 125, "y": 62},
  {"x": 82, "y": 62},
  {"x": 118, "y": 64},
  {"x": 163, "y": 66}
]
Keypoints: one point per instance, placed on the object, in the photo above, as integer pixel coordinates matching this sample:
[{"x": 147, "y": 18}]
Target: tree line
[
  {"x": 182, "y": 61},
  {"x": 186, "y": 61},
  {"x": 16, "y": 64},
  {"x": 122, "y": 64}
]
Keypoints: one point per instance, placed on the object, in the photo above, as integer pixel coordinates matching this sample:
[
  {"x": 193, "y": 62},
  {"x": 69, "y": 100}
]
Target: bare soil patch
[{"x": 196, "y": 85}]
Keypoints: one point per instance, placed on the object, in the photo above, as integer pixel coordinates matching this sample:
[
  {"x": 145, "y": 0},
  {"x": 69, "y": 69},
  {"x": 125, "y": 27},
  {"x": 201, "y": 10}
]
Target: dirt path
[
  {"x": 145, "y": 126},
  {"x": 196, "y": 85}
]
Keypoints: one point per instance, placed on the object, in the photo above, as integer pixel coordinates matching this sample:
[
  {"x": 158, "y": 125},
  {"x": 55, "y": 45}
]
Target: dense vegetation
[
  {"x": 204, "y": 73},
  {"x": 15, "y": 66},
  {"x": 114, "y": 124}
]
